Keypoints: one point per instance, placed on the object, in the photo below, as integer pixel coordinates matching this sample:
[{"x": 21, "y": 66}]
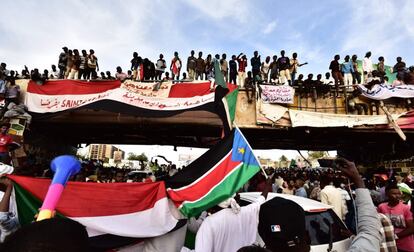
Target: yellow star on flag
[{"x": 241, "y": 150}]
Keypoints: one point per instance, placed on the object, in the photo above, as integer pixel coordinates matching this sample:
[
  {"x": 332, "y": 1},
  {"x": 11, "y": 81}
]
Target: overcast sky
[{"x": 32, "y": 32}]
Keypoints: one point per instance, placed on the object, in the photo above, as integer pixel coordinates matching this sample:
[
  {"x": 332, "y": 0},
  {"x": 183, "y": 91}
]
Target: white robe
[{"x": 226, "y": 231}]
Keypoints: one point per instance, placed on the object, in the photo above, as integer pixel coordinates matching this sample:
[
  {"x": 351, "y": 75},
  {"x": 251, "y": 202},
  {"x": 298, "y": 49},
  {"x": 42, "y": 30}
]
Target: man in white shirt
[
  {"x": 339, "y": 184},
  {"x": 332, "y": 196},
  {"x": 328, "y": 80},
  {"x": 228, "y": 231},
  {"x": 54, "y": 73},
  {"x": 367, "y": 66}
]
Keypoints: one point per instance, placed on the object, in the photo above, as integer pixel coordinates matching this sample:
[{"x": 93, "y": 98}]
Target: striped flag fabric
[
  {"x": 215, "y": 176},
  {"x": 153, "y": 99},
  {"x": 133, "y": 210}
]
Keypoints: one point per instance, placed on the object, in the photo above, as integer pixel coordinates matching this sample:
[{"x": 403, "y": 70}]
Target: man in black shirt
[
  {"x": 284, "y": 65},
  {"x": 400, "y": 68},
  {"x": 250, "y": 87},
  {"x": 255, "y": 62},
  {"x": 233, "y": 69},
  {"x": 134, "y": 65},
  {"x": 200, "y": 66},
  {"x": 63, "y": 58},
  {"x": 308, "y": 85},
  {"x": 298, "y": 84},
  {"x": 335, "y": 68}
]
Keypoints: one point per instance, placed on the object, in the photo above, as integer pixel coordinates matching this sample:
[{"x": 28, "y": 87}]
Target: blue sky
[{"x": 32, "y": 32}]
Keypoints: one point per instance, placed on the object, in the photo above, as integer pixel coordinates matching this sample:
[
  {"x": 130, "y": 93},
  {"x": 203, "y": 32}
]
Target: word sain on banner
[
  {"x": 146, "y": 96},
  {"x": 277, "y": 94}
]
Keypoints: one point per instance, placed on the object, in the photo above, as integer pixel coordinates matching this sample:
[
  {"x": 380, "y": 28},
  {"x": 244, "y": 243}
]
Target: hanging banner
[
  {"x": 56, "y": 96},
  {"x": 383, "y": 91},
  {"x": 277, "y": 94},
  {"x": 324, "y": 120},
  {"x": 154, "y": 89}
]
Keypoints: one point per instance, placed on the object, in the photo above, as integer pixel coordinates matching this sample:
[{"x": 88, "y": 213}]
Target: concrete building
[{"x": 105, "y": 151}]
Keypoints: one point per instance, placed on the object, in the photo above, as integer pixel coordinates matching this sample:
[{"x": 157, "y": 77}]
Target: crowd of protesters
[
  {"x": 279, "y": 70},
  {"x": 391, "y": 193},
  {"x": 236, "y": 228}
]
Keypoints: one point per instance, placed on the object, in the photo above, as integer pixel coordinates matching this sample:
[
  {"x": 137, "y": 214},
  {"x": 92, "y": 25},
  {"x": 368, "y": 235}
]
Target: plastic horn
[{"x": 63, "y": 167}]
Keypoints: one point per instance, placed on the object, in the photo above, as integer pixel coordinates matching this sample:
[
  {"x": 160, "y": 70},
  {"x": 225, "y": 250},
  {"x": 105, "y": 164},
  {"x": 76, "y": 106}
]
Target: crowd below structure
[{"x": 389, "y": 192}]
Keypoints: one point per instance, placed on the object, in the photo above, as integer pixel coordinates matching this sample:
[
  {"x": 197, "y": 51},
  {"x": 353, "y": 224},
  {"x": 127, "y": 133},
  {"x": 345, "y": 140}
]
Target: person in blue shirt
[
  {"x": 347, "y": 69},
  {"x": 300, "y": 190}
]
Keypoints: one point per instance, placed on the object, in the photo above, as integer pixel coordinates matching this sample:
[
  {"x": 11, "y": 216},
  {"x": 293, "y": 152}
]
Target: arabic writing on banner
[
  {"x": 40, "y": 103},
  {"x": 157, "y": 89},
  {"x": 277, "y": 94},
  {"x": 383, "y": 91}
]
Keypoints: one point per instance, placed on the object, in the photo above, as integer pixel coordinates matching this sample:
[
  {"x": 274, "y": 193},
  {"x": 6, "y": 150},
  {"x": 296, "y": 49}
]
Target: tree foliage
[
  {"x": 317, "y": 154},
  {"x": 141, "y": 157},
  {"x": 283, "y": 158}
]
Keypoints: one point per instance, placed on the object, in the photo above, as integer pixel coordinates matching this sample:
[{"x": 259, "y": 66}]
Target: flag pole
[{"x": 261, "y": 168}]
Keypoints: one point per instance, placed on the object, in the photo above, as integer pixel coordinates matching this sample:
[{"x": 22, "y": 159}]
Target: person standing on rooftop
[
  {"x": 347, "y": 69},
  {"x": 265, "y": 69},
  {"x": 400, "y": 68},
  {"x": 134, "y": 65},
  {"x": 367, "y": 66},
  {"x": 356, "y": 75},
  {"x": 191, "y": 65},
  {"x": 335, "y": 68},
  {"x": 242, "y": 61},
  {"x": 200, "y": 66},
  {"x": 274, "y": 74},
  {"x": 381, "y": 66},
  {"x": 175, "y": 66},
  {"x": 224, "y": 67},
  {"x": 69, "y": 63},
  {"x": 63, "y": 58},
  {"x": 74, "y": 71},
  {"x": 160, "y": 67},
  {"x": 83, "y": 67},
  {"x": 256, "y": 63},
  {"x": 92, "y": 62},
  {"x": 284, "y": 68},
  {"x": 294, "y": 65},
  {"x": 233, "y": 70}
]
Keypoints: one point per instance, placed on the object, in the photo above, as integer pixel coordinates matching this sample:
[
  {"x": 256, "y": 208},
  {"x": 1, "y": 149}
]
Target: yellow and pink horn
[{"x": 63, "y": 167}]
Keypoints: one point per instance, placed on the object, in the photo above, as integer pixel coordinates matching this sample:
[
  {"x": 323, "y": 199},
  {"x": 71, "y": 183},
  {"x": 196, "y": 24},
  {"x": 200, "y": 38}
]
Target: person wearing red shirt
[
  {"x": 242, "y": 61},
  {"x": 5, "y": 141}
]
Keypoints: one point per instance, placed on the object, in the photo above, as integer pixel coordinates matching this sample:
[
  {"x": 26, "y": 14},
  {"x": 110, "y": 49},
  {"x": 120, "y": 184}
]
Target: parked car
[{"x": 325, "y": 229}]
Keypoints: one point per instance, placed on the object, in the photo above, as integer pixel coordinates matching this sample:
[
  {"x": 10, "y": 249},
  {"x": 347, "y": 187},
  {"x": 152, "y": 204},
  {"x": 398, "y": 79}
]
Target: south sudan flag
[{"x": 215, "y": 176}]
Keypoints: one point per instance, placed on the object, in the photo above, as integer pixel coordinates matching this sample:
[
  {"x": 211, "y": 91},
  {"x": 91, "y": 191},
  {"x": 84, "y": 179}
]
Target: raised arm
[
  {"x": 369, "y": 237},
  {"x": 5, "y": 201}
]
